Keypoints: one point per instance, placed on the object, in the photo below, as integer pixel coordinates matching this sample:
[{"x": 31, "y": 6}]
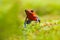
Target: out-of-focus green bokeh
[
  {"x": 9, "y": 22},
  {"x": 12, "y": 18}
]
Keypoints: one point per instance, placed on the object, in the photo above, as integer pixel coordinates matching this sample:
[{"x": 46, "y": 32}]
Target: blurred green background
[{"x": 12, "y": 18}]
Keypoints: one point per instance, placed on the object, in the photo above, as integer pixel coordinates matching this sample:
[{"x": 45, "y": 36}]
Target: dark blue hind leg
[
  {"x": 38, "y": 20},
  {"x": 27, "y": 22}
]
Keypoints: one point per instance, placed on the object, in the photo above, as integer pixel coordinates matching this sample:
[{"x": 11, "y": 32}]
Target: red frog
[{"x": 31, "y": 16}]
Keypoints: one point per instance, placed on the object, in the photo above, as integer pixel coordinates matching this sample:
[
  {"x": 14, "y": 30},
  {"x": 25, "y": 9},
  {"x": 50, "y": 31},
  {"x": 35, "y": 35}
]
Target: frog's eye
[
  {"x": 32, "y": 11},
  {"x": 25, "y": 10}
]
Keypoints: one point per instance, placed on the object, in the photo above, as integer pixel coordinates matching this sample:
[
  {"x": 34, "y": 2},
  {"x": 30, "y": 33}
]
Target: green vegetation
[{"x": 12, "y": 18}]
